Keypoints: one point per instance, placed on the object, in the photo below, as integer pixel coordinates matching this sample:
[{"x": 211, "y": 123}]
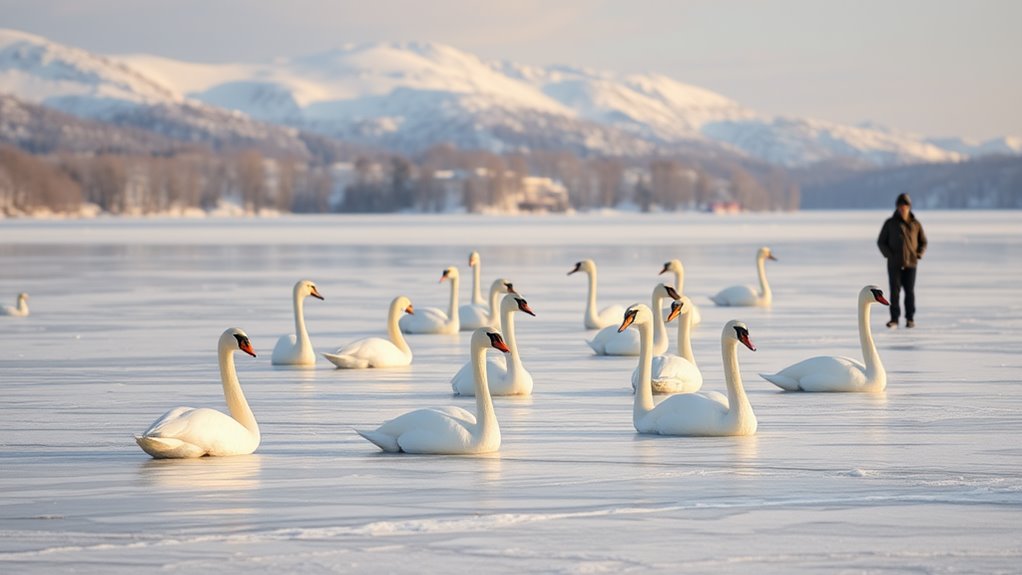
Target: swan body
[
  {"x": 748, "y": 296},
  {"x": 377, "y": 351},
  {"x": 474, "y": 316},
  {"x": 19, "y": 310},
  {"x": 504, "y": 376},
  {"x": 185, "y": 432},
  {"x": 693, "y": 414},
  {"x": 678, "y": 270},
  {"x": 296, "y": 348},
  {"x": 611, "y": 341},
  {"x": 606, "y": 316},
  {"x": 434, "y": 320},
  {"x": 448, "y": 430},
  {"x": 675, "y": 373},
  {"x": 838, "y": 373}
]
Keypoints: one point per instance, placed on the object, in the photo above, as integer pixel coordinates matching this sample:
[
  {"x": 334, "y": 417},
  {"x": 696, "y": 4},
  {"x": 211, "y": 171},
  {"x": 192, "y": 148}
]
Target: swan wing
[
  {"x": 672, "y": 374},
  {"x": 736, "y": 296},
  {"x": 369, "y": 352},
  {"x": 285, "y": 350},
  {"x": 822, "y": 373},
  {"x": 473, "y": 316},
  {"x": 610, "y": 315},
  {"x": 444, "y": 430},
  {"x": 608, "y": 341},
  {"x": 689, "y": 414},
  {"x": 463, "y": 382},
  {"x": 427, "y": 320},
  {"x": 211, "y": 431}
]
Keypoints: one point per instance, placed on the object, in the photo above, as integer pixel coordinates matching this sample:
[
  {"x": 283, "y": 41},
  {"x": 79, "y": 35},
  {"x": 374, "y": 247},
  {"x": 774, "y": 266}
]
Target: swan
[
  {"x": 747, "y": 295},
  {"x": 296, "y": 348},
  {"x": 675, "y": 373},
  {"x": 607, "y": 315},
  {"x": 505, "y": 377},
  {"x": 434, "y": 320},
  {"x": 837, "y": 373},
  {"x": 702, "y": 413},
  {"x": 189, "y": 432},
  {"x": 612, "y": 341},
  {"x": 19, "y": 310},
  {"x": 679, "y": 284},
  {"x": 474, "y": 316},
  {"x": 377, "y": 351},
  {"x": 448, "y": 430}
]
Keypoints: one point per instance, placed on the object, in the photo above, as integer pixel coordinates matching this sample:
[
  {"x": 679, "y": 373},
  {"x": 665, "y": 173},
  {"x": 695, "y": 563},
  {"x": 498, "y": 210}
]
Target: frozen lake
[{"x": 924, "y": 478}]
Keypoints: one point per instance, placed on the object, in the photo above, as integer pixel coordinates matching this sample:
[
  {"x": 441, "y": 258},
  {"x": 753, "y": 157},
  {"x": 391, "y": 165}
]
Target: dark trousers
[{"x": 902, "y": 278}]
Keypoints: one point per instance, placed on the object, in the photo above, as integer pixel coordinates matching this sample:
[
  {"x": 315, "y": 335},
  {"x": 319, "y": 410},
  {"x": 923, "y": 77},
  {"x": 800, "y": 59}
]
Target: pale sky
[{"x": 933, "y": 67}]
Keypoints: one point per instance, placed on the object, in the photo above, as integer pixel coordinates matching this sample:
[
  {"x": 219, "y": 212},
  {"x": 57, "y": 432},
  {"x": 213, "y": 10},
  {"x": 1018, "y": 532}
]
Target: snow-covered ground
[{"x": 126, "y": 313}]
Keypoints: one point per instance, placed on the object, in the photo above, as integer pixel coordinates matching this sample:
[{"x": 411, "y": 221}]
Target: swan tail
[
  {"x": 168, "y": 447},
  {"x": 781, "y": 381},
  {"x": 347, "y": 361},
  {"x": 381, "y": 440}
]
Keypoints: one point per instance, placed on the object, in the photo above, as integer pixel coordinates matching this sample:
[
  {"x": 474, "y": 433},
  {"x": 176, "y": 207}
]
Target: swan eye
[
  {"x": 741, "y": 332},
  {"x": 242, "y": 340}
]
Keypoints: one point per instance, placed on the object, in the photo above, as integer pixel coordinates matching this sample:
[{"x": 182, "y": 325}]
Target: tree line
[{"x": 442, "y": 178}]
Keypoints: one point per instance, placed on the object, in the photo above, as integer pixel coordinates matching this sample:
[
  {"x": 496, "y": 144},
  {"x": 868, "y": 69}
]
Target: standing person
[{"x": 902, "y": 241}]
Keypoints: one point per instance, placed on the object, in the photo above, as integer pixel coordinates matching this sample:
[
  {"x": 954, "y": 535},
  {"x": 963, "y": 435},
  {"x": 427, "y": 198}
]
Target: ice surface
[{"x": 126, "y": 314}]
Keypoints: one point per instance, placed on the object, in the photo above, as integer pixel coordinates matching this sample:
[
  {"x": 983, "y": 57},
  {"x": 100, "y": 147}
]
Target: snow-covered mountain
[{"x": 408, "y": 96}]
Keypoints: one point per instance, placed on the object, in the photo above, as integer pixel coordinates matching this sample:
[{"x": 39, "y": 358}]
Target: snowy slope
[{"x": 408, "y": 96}]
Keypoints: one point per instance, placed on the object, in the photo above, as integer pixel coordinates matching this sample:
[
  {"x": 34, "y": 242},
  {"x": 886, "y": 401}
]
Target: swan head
[
  {"x": 485, "y": 337},
  {"x": 235, "y": 339},
  {"x": 587, "y": 266},
  {"x": 502, "y": 285},
  {"x": 739, "y": 332},
  {"x": 664, "y": 290},
  {"x": 678, "y": 307},
  {"x": 672, "y": 266},
  {"x": 22, "y": 297},
  {"x": 473, "y": 259},
  {"x": 403, "y": 303},
  {"x": 873, "y": 294},
  {"x": 515, "y": 302},
  {"x": 764, "y": 253},
  {"x": 636, "y": 314},
  {"x": 450, "y": 273},
  {"x": 306, "y": 288}
]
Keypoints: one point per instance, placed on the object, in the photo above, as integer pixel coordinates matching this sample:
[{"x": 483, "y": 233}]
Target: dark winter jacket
[{"x": 902, "y": 242}]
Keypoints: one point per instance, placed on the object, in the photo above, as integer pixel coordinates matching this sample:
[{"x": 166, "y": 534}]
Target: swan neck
[
  {"x": 477, "y": 296},
  {"x": 236, "y": 402},
  {"x": 644, "y": 393},
  {"x": 737, "y": 400},
  {"x": 679, "y": 280},
  {"x": 301, "y": 334},
  {"x": 486, "y": 418},
  {"x": 764, "y": 286},
  {"x": 659, "y": 326},
  {"x": 494, "y": 303},
  {"x": 870, "y": 356},
  {"x": 685, "y": 337},
  {"x": 394, "y": 328},
  {"x": 507, "y": 327},
  {"x": 591, "y": 319},
  {"x": 452, "y": 307}
]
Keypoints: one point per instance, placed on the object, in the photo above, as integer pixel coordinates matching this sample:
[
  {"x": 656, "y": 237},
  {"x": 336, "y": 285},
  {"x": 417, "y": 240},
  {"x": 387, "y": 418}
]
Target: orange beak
[
  {"x": 629, "y": 318},
  {"x": 675, "y": 312},
  {"x": 410, "y": 310},
  {"x": 247, "y": 348},
  {"x": 315, "y": 294}
]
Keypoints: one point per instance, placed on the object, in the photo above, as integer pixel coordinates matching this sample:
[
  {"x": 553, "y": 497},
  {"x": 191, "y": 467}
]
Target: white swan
[
  {"x": 434, "y": 320},
  {"x": 612, "y": 341},
  {"x": 189, "y": 432},
  {"x": 448, "y": 430},
  {"x": 703, "y": 413},
  {"x": 837, "y": 373},
  {"x": 474, "y": 316},
  {"x": 377, "y": 351},
  {"x": 679, "y": 284},
  {"x": 675, "y": 373},
  {"x": 606, "y": 316},
  {"x": 19, "y": 310},
  {"x": 747, "y": 295},
  {"x": 296, "y": 348},
  {"x": 505, "y": 376}
]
